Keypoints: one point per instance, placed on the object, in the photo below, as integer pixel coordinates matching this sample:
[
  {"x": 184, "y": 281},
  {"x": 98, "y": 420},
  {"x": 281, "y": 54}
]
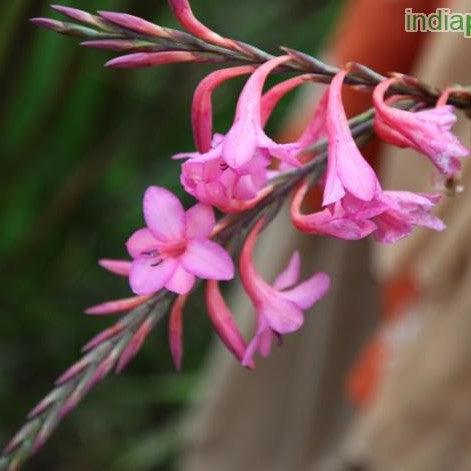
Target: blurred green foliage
[{"x": 78, "y": 146}]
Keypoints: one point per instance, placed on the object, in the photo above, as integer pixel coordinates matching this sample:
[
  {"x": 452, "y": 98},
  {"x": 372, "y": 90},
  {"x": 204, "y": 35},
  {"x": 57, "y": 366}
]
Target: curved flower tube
[
  {"x": 202, "y": 108},
  {"x": 175, "y": 330},
  {"x": 224, "y": 323},
  {"x": 347, "y": 170},
  {"x": 207, "y": 176}
]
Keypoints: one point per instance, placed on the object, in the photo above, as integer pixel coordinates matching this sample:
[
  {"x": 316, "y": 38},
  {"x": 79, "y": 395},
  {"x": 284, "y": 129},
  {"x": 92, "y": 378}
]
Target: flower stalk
[
  {"x": 132, "y": 35},
  {"x": 234, "y": 173},
  {"x": 116, "y": 346}
]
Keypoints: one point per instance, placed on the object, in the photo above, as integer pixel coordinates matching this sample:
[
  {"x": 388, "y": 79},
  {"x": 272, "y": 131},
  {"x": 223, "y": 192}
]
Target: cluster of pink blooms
[{"x": 232, "y": 172}]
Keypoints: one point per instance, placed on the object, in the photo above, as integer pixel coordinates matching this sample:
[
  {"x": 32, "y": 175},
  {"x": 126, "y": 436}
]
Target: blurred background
[{"x": 78, "y": 146}]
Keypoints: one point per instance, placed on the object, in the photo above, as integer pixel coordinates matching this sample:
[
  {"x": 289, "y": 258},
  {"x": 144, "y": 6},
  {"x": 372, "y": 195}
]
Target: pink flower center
[{"x": 174, "y": 250}]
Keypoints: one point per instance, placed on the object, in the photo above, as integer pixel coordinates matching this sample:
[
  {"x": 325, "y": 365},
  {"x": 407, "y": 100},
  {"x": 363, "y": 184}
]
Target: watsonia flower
[
  {"x": 427, "y": 131},
  {"x": 279, "y": 306},
  {"x": 354, "y": 204},
  {"x": 206, "y": 175},
  {"x": 175, "y": 247}
]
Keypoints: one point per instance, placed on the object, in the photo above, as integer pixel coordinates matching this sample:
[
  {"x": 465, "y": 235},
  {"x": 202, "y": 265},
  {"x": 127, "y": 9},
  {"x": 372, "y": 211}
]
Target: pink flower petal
[
  {"x": 346, "y": 169},
  {"x": 164, "y": 214},
  {"x": 207, "y": 260},
  {"x": 290, "y": 275},
  {"x": 147, "y": 278},
  {"x": 406, "y": 211},
  {"x": 390, "y": 135},
  {"x": 200, "y": 221},
  {"x": 261, "y": 342},
  {"x": 241, "y": 141},
  {"x": 306, "y": 294},
  {"x": 282, "y": 315},
  {"x": 181, "y": 282},
  {"x": 427, "y": 131},
  {"x": 141, "y": 242},
  {"x": 333, "y": 220}
]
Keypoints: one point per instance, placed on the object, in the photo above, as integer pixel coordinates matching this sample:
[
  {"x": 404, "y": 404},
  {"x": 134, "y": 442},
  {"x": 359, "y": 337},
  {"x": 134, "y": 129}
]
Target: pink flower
[
  {"x": 209, "y": 179},
  {"x": 279, "y": 306},
  {"x": 428, "y": 131},
  {"x": 347, "y": 170},
  {"x": 405, "y": 211},
  {"x": 246, "y": 137},
  {"x": 354, "y": 204},
  {"x": 206, "y": 174},
  {"x": 348, "y": 218},
  {"x": 175, "y": 248},
  {"x": 391, "y": 216}
]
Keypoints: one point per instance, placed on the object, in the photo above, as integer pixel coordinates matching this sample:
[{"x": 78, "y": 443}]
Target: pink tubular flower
[
  {"x": 391, "y": 216},
  {"x": 175, "y": 248},
  {"x": 428, "y": 131},
  {"x": 212, "y": 181},
  {"x": 354, "y": 204},
  {"x": 279, "y": 306},
  {"x": 206, "y": 174},
  {"x": 347, "y": 170},
  {"x": 348, "y": 218},
  {"x": 405, "y": 210},
  {"x": 246, "y": 137}
]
